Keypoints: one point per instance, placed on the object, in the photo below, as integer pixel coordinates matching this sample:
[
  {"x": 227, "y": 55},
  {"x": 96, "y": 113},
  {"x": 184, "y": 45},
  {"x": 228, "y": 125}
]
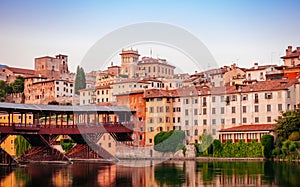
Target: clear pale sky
[{"x": 234, "y": 31}]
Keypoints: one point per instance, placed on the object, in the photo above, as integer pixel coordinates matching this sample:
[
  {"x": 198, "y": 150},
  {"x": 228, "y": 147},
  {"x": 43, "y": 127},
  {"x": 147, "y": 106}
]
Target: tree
[
  {"x": 80, "y": 81},
  {"x": 21, "y": 145},
  {"x": 18, "y": 85},
  {"x": 206, "y": 141},
  {"x": 170, "y": 141},
  {"x": 267, "y": 141},
  {"x": 3, "y": 89},
  {"x": 289, "y": 123},
  {"x": 295, "y": 136}
]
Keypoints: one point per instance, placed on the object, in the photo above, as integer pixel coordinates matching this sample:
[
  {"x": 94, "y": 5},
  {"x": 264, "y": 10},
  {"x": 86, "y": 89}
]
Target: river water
[{"x": 169, "y": 173}]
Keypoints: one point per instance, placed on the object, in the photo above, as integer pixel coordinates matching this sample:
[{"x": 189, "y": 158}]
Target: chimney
[
  {"x": 298, "y": 49},
  {"x": 195, "y": 72},
  {"x": 233, "y": 66},
  {"x": 255, "y": 65},
  {"x": 288, "y": 51}
]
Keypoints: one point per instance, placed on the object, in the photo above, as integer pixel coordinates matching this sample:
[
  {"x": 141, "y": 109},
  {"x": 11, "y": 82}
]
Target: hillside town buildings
[{"x": 229, "y": 102}]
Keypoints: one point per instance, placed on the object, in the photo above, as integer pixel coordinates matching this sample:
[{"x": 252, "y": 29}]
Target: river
[{"x": 169, "y": 173}]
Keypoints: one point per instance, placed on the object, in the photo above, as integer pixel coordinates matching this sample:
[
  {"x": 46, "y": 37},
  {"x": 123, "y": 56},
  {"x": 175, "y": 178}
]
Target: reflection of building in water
[
  {"x": 107, "y": 176},
  {"x": 10, "y": 180},
  {"x": 240, "y": 180},
  {"x": 62, "y": 178}
]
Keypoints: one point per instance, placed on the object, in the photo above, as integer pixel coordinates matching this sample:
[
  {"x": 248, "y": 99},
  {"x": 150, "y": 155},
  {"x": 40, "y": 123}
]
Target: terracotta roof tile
[
  {"x": 245, "y": 128},
  {"x": 21, "y": 71}
]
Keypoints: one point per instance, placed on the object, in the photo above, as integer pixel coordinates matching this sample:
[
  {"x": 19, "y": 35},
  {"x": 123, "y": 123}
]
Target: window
[
  {"x": 213, "y": 121},
  {"x": 196, "y": 101},
  {"x": 167, "y": 108},
  {"x": 160, "y": 120},
  {"x": 213, "y": 99},
  {"x": 233, "y": 120},
  {"x": 244, "y": 120},
  {"x": 195, "y": 111},
  {"x": 256, "y": 108},
  {"x": 174, "y": 120},
  {"x": 222, "y": 121},
  {"x": 151, "y": 109},
  {"x": 233, "y": 109},
  {"x": 150, "y": 140},
  {"x": 279, "y": 107},
  {"x": 187, "y": 132},
  {"x": 204, "y": 111},
  {"x": 195, "y": 122},
  {"x": 244, "y": 109},
  {"x": 222, "y": 98},
  {"x": 186, "y": 112},
  {"x": 196, "y": 132},
  {"x": 256, "y": 98},
  {"x": 178, "y": 120},
  {"x": 233, "y": 97},
  {"x": 214, "y": 132},
  {"x": 109, "y": 144},
  {"x": 213, "y": 110},
  {"x": 268, "y": 108},
  {"x": 222, "y": 110},
  {"x": 268, "y": 96},
  {"x": 256, "y": 119},
  {"x": 204, "y": 101},
  {"x": 186, "y": 122},
  {"x": 186, "y": 101},
  {"x": 288, "y": 94},
  {"x": 151, "y": 121},
  {"x": 269, "y": 119},
  {"x": 204, "y": 122},
  {"x": 245, "y": 97}
]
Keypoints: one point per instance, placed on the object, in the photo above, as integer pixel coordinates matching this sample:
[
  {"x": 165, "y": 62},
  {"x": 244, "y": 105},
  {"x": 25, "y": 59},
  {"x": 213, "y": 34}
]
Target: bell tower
[{"x": 129, "y": 60}]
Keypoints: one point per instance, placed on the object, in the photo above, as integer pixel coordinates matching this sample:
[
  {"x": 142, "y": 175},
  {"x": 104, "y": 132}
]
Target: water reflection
[{"x": 171, "y": 173}]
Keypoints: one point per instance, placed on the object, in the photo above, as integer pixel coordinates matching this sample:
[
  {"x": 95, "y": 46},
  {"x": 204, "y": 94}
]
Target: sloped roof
[
  {"x": 246, "y": 128},
  {"x": 21, "y": 71},
  {"x": 13, "y": 107}
]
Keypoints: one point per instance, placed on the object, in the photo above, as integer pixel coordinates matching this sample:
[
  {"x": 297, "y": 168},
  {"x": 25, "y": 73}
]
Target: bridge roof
[{"x": 13, "y": 107}]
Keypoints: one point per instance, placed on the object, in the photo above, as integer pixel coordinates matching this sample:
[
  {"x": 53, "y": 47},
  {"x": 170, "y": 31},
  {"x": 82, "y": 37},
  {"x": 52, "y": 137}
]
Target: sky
[{"x": 241, "y": 32}]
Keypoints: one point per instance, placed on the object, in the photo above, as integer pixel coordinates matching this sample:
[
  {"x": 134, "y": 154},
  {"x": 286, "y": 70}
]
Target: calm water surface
[{"x": 171, "y": 173}]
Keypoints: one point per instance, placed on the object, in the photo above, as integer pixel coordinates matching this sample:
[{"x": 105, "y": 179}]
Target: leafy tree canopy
[
  {"x": 289, "y": 123},
  {"x": 170, "y": 141}
]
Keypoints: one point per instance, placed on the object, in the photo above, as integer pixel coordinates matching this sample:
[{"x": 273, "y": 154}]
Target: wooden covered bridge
[{"x": 84, "y": 124}]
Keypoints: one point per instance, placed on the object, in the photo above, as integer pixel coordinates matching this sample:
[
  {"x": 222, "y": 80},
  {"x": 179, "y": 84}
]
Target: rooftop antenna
[{"x": 151, "y": 52}]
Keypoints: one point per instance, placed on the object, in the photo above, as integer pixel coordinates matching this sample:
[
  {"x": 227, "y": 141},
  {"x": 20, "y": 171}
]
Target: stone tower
[{"x": 129, "y": 60}]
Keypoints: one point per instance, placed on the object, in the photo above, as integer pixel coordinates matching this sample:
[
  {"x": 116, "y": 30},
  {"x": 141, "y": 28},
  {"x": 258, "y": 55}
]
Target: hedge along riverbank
[{"x": 237, "y": 150}]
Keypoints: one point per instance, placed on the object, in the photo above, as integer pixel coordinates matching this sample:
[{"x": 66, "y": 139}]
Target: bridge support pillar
[
  {"x": 87, "y": 148},
  {"x": 42, "y": 151}
]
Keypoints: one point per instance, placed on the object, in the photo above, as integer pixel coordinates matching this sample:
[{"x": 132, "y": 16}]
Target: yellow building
[
  {"x": 9, "y": 143},
  {"x": 159, "y": 113}
]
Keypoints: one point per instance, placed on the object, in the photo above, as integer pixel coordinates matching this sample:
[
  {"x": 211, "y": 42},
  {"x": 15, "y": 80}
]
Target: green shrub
[
  {"x": 294, "y": 136},
  {"x": 292, "y": 147},
  {"x": 276, "y": 151},
  {"x": 168, "y": 141},
  {"x": 268, "y": 143}
]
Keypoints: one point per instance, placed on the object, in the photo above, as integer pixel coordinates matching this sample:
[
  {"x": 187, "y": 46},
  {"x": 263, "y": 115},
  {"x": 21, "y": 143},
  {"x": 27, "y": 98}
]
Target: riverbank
[{"x": 206, "y": 159}]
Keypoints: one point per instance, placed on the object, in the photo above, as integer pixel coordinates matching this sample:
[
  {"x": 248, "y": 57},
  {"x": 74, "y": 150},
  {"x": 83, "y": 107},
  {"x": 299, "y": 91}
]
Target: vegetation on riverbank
[
  {"x": 287, "y": 145},
  {"x": 232, "y": 150},
  {"x": 170, "y": 141}
]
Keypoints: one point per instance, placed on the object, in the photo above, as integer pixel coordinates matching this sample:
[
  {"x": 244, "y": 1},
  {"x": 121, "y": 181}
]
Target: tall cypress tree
[{"x": 79, "y": 79}]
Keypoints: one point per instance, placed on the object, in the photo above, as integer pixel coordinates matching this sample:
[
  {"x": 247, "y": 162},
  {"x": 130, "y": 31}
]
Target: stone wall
[{"x": 130, "y": 152}]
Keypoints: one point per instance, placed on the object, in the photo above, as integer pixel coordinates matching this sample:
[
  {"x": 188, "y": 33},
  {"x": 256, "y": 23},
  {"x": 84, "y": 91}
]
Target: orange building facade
[{"x": 135, "y": 101}]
